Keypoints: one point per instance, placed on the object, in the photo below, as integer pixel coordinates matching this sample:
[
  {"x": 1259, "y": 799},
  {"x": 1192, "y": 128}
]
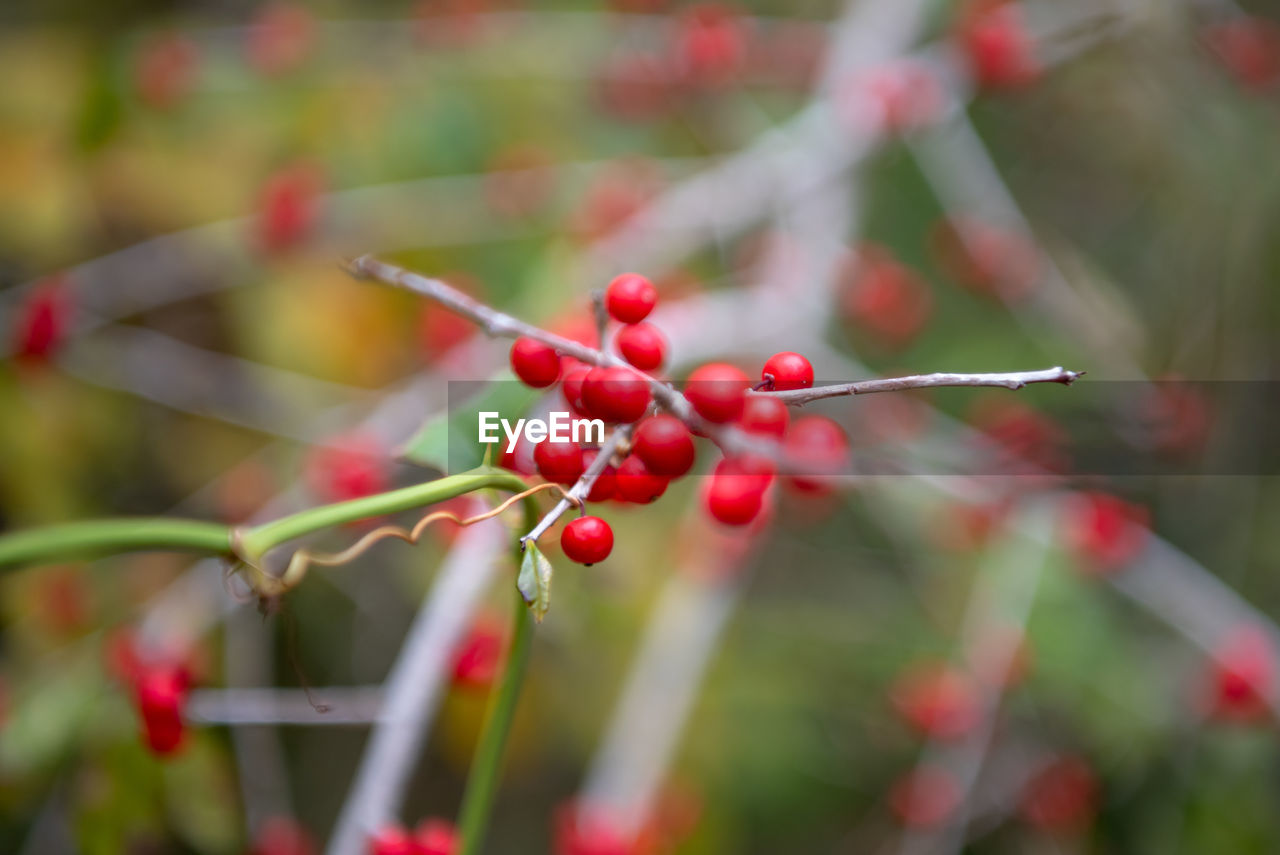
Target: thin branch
[
  {"x": 345, "y": 705},
  {"x": 1005, "y": 380},
  {"x": 578, "y": 492}
]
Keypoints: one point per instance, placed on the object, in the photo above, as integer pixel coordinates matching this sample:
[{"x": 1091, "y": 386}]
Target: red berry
[
  {"x": 615, "y": 394},
  {"x": 985, "y": 258},
  {"x": 161, "y": 693},
  {"x": 282, "y": 835},
  {"x": 924, "y": 798},
  {"x": 165, "y": 70},
  {"x": 580, "y": 832},
  {"x": 435, "y": 837},
  {"x": 817, "y": 447},
  {"x": 348, "y": 467},
  {"x": 571, "y": 387},
  {"x": 642, "y": 345},
  {"x": 938, "y": 701},
  {"x": 789, "y": 371},
  {"x": 605, "y": 484},
  {"x": 392, "y": 840},
  {"x": 717, "y": 391},
  {"x": 635, "y": 483},
  {"x": 289, "y": 207},
  {"x": 630, "y": 298},
  {"x": 519, "y": 459},
  {"x": 478, "y": 658},
  {"x": 1243, "y": 675},
  {"x": 735, "y": 492},
  {"x": 886, "y": 299},
  {"x": 42, "y": 320},
  {"x": 587, "y": 540},
  {"x": 712, "y": 45},
  {"x": 1061, "y": 797},
  {"x": 1249, "y": 48},
  {"x": 1105, "y": 531},
  {"x": 559, "y": 462},
  {"x": 665, "y": 445},
  {"x": 280, "y": 37},
  {"x": 764, "y": 415},
  {"x": 999, "y": 47},
  {"x": 535, "y": 363}
]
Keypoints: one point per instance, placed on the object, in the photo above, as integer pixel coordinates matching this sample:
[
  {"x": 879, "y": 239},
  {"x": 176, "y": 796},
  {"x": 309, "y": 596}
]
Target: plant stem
[
  {"x": 486, "y": 767},
  {"x": 259, "y": 540},
  {"x": 104, "y": 537}
]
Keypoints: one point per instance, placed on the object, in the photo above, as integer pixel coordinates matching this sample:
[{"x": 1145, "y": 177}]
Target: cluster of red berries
[
  {"x": 431, "y": 837},
  {"x": 662, "y": 446}
]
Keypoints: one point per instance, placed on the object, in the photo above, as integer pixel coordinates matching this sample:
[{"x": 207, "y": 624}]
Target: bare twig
[
  {"x": 1006, "y": 380},
  {"x": 578, "y": 492}
]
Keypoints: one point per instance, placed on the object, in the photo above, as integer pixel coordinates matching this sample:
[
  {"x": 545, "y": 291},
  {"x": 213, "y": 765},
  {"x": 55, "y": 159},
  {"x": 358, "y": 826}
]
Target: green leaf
[
  {"x": 447, "y": 441},
  {"x": 534, "y": 582}
]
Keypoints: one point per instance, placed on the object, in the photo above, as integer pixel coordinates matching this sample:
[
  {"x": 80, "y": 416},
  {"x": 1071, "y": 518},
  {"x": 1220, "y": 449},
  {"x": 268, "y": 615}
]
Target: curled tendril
[{"x": 266, "y": 585}]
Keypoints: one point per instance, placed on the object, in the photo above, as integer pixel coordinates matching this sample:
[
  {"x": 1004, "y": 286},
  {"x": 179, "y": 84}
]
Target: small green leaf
[
  {"x": 448, "y": 441},
  {"x": 534, "y": 582}
]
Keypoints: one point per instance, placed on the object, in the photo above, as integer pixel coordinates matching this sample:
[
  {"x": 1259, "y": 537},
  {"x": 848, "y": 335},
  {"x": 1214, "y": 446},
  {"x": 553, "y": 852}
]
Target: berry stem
[
  {"x": 578, "y": 492},
  {"x": 486, "y": 766}
]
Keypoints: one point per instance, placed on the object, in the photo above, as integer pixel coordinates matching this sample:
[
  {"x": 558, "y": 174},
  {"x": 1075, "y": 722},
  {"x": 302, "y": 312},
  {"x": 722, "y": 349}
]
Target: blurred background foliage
[{"x": 1144, "y": 166}]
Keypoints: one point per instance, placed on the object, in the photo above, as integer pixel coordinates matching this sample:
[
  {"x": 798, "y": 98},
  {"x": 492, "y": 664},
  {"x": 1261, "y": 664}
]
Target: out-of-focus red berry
[
  {"x": 635, "y": 85},
  {"x": 925, "y": 798},
  {"x": 1249, "y": 48},
  {"x": 60, "y": 600},
  {"x": 161, "y": 693},
  {"x": 479, "y": 657},
  {"x": 1062, "y": 797},
  {"x": 349, "y": 467},
  {"x": 289, "y": 207},
  {"x": 939, "y": 701},
  {"x": 643, "y": 345},
  {"x": 165, "y": 70},
  {"x": 1243, "y": 675},
  {"x": 736, "y": 491},
  {"x": 964, "y": 526},
  {"x": 711, "y": 45},
  {"x": 1174, "y": 416},
  {"x": 635, "y": 483},
  {"x": 986, "y": 259},
  {"x": 764, "y": 415},
  {"x": 630, "y": 298},
  {"x": 891, "y": 99},
  {"x": 717, "y": 391},
  {"x": 1000, "y": 49},
  {"x": 587, "y": 540},
  {"x": 885, "y": 299},
  {"x": 282, "y": 835},
  {"x": 440, "y": 330},
  {"x": 435, "y": 837},
  {"x": 42, "y": 320},
  {"x": 615, "y": 394},
  {"x": 281, "y": 36},
  {"x": 535, "y": 363},
  {"x": 1104, "y": 531},
  {"x": 1018, "y": 438},
  {"x": 787, "y": 370},
  {"x": 578, "y": 832},
  {"x": 616, "y": 194},
  {"x": 819, "y": 450},
  {"x": 520, "y": 458},
  {"x": 392, "y": 840}
]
